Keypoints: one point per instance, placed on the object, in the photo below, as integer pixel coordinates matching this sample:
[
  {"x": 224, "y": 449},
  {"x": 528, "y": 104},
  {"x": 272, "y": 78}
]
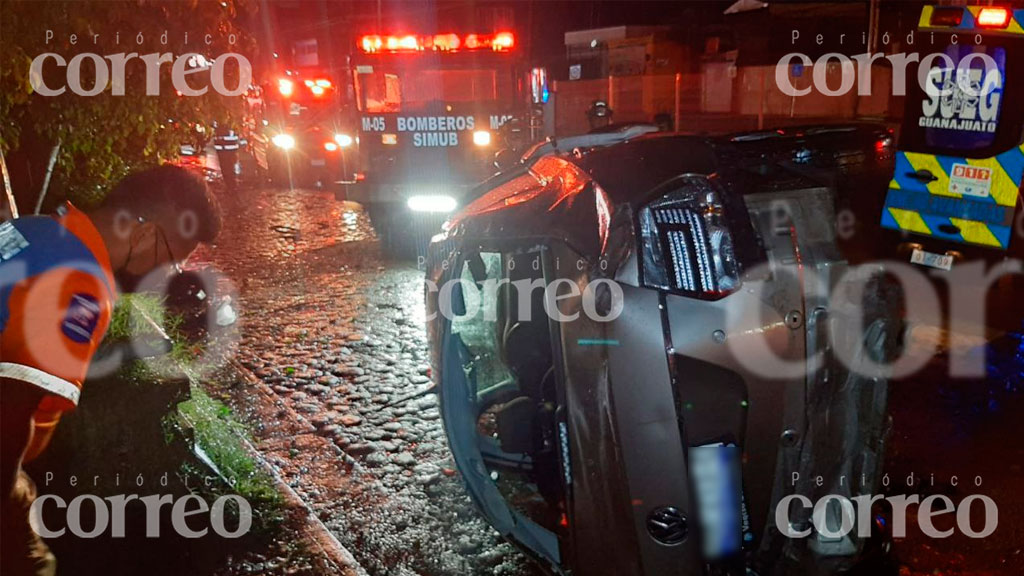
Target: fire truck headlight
[
  {"x": 283, "y": 141},
  {"x": 482, "y": 138},
  {"x": 343, "y": 140},
  {"x": 432, "y": 203}
]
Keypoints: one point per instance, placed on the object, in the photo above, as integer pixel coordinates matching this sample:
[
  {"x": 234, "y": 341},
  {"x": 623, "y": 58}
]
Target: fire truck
[
  {"x": 430, "y": 115},
  {"x": 298, "y": 131}
]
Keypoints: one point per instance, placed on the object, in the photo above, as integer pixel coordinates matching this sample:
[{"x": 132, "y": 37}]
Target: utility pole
[{"x": 12, "y": 206}]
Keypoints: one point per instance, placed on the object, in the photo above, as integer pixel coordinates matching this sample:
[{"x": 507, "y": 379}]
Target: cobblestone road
[{"x": 334, "y": 334}]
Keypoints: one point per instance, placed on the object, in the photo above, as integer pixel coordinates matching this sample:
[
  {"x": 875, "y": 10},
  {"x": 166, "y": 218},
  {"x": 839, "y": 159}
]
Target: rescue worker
[
  {"x": 227, "y": 143},
  {"x": 599, "y": 115},
  {"x": 59, "y": 278}
]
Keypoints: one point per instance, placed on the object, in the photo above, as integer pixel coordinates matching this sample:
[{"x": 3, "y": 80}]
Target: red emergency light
[
  {"x": 499, "y": 42},
  {"x": 993, "y": 18}
]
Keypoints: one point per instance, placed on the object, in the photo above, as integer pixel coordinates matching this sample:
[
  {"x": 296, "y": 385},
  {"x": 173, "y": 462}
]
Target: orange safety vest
[{"x": 57, "y": 292}]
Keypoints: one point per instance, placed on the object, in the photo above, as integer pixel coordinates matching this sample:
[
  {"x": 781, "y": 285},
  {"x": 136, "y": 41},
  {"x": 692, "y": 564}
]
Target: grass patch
[
  {"x": 143, "y": 319},
  {"x": 220, "y": 437},
  {"x": 216, "y": 433}
]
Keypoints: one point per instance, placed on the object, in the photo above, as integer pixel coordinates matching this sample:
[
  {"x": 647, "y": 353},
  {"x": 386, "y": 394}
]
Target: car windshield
[{"x": 382, "y": 90}]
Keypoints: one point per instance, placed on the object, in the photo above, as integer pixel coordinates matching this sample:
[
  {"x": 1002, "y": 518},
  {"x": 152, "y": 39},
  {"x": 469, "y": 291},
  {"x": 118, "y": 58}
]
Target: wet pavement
[{"x": 335, "y": 350}]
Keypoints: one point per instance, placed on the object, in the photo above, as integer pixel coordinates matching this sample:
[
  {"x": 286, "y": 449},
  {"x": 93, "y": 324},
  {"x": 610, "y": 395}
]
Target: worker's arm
[{"x": 18, "y": 403}]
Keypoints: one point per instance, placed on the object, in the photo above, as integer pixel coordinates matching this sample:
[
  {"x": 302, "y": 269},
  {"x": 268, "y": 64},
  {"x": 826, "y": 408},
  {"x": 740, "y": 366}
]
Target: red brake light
[
  {"x": 993, "y": 18},
  {"x": 317, "y": 90},
  {"x": 285, "y": 86},
  {"x": 323, "y": 83}
]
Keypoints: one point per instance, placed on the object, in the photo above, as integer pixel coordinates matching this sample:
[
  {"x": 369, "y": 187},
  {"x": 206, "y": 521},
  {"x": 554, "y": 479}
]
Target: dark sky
[{"x": 548, "y": 20}]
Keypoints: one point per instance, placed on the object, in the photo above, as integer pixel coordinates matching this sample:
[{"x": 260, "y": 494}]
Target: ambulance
[
  {"x": 430, "y": 113},
  {"x": 955, "y": 193}
]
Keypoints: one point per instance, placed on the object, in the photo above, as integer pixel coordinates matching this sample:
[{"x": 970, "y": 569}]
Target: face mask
[{"x": 129, "y": 281}]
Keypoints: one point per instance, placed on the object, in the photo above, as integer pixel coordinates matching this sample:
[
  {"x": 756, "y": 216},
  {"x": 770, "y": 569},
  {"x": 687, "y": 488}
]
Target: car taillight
[
  {"x": 687, "y": 245},
  {"x": 993, "y": 18}
]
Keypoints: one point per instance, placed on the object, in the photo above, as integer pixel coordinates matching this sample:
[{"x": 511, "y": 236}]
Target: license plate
[
  {"x": 932, "y": 260},
  {"x": 714, "y": 469},
  {"x": 317, "y": 162}
]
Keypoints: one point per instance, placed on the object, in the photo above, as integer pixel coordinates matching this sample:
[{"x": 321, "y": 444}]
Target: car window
[{"x": 511, "y": 370}]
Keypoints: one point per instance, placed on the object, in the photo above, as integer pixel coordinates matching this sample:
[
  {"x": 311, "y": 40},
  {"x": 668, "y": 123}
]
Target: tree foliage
[{"x": 103, "y": 137}]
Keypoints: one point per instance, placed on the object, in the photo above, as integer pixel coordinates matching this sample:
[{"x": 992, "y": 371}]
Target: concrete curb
[{"x": 335, "y": 557}]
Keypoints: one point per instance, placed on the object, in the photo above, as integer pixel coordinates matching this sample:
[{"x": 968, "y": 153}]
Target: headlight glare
[
  {"x": 432, "y": 203},
  {"x": 482, "y": 138},
  {"x": 284, "y": 141}
]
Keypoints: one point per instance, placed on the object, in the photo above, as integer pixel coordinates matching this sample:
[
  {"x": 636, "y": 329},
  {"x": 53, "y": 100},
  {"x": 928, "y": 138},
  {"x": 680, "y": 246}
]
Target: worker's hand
[{"x": 18, "y": 402}]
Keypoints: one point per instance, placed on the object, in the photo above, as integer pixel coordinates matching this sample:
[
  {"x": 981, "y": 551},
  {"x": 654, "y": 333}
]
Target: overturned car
[{"x": 646, "y": 351}]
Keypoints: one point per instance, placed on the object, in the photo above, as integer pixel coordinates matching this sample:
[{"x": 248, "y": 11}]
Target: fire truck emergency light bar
[{"x": 499, "y": 42}]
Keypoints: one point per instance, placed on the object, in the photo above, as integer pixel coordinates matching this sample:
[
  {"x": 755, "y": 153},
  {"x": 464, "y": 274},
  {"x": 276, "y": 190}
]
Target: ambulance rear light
[
  {"x": 947, "y": 16},
  {"x": 500, "y": 42},
  {"x": 993, "y": 18}
]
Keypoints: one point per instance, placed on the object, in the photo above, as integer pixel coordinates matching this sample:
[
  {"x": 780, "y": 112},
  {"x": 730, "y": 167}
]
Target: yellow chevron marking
[
  {"x": 1004, "y": 190},
  {"x": 926, "y": 17},
  {"x": 928, "y": 162},
  {"x": 894, "y": 184},
  {"x": 1014, "y": 27},
  {"x": 976, "y": 232},
  {"x": 909, "y": 220}
]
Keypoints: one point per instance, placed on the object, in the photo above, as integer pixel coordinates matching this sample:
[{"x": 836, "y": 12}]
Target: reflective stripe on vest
[{"x": 36, "y": 377}]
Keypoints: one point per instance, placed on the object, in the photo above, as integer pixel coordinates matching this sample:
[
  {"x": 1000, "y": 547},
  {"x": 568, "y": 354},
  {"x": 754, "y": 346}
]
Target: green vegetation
[
  {"x": 134, "y": 317},
  {"x": 218, "y": 436},
  {"x": 96, "y": 140},
  {"x": 221, "y": 439}
]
